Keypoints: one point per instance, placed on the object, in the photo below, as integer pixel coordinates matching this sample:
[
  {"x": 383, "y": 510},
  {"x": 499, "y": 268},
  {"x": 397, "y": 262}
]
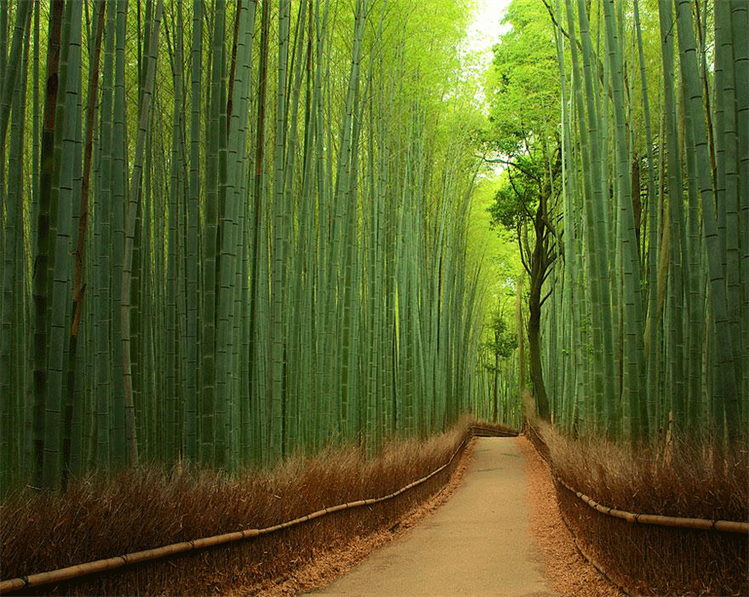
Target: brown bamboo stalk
[{"x": 729, "y": 526}]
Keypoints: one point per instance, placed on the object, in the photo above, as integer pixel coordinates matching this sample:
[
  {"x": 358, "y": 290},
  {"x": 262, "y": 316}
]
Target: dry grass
[
  {"x": 568, "y": 572},
  {"x": 332, "y": 562},
  {"x": 689, "y": 482},
  {"x": 152, "y": 506}
]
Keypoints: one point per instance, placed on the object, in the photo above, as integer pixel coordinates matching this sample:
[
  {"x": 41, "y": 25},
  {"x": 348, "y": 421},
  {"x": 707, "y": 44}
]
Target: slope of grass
[
  {"x": 151, "y": 506},
  {"x": 685, "y": 481}
]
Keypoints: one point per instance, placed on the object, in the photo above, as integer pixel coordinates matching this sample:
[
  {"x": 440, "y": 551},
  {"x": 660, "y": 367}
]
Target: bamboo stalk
[{"x": 728, "y": 526}]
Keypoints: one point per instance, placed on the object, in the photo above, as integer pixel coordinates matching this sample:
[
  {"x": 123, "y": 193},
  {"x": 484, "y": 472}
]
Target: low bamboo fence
[
  {"x": 679, "y": 537},
  {"x": 727, "y": 526},
  {"x": 99, "y": 566}
]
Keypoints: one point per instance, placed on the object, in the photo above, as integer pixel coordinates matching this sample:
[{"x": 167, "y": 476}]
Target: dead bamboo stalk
[{"x": 728, "y": 526}]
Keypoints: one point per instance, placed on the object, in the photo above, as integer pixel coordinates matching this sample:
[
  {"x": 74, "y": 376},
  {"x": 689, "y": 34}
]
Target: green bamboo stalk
[
  {"x": 130, "y": 217},
  {"x": 148, "y": 346},
  {"x": 571, "y": 306},
  {"x": 650, "y": 334},
  {"x": 739, "y": 23},
  {"x": 73, "y": 391},
  {"x": 115, "y": 432},
  {"x": 102, "y": 225},
  {"x": 12, "y": 361},
  {"x": 42, "y": 265},
  {"x": 192, "y": 256},
  {"x": 296, "y": 358},
  {"x": 36, "y": 118},
  {"x": 209, "y": 425},
  {"x": 256, "y": 381},
  {"x": 277, "y": 332},
  {"x": 63, "y": 183},
  {"x": 603, "y": 371},
  {"x": 693, "y": 285},
  {"x": 176, "y": 192},
  {"x": 4, "y": 19},
  {"x": 351, "y": 281},
  {"x": 10, "y": 75},
  {"x": 632, "y": 312},
  {"x": 228, "y": 316},
  {"x": 726, "y": 384},
  {"x": 179, "y": 178}
]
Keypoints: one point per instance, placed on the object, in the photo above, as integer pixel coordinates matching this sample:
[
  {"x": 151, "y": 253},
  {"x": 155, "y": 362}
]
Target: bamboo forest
[{"x": 241, "y": 234}]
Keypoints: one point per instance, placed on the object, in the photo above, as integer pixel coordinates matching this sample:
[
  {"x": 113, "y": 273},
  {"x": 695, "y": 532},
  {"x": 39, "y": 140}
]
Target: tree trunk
[
  {"x": 539, "y": 265},
  {"x": 534, "y": 348},
  {"x": 521, "y": 335},
  {"x": 495, "y": 398},
  {"x": 538, "y": 272}
]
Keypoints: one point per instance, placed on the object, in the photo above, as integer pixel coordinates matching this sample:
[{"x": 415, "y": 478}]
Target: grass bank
[
  {"x": 686, "y": 481},
  {"x": 152, "y": 506}
]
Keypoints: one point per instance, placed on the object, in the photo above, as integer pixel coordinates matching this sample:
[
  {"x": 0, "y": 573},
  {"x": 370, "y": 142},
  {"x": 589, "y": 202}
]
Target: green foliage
[
  {"x": 518, "y": 195},
  {"x": 522, "y": 85},
  {"x": 494, "y": 248},
  {"x": 523, "y": 91},
  {"x": 504, "y": 341}
]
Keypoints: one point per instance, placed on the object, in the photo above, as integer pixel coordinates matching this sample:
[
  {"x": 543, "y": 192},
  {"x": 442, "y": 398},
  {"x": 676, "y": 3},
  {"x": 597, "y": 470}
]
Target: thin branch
[
  {"x": 548, "y": 294},
  {"x": 511, "y": 163},
  {"x": 528, "y": 213},
  {"x": 558, "y": 26},
  {"x": 522, "y": 253}
]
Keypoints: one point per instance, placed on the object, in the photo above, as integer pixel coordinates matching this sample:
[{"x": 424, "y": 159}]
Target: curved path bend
[{"x": 477, "y": 544}]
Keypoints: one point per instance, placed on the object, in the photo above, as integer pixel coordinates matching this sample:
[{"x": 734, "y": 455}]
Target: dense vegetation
[
  {"x": 624, "y": 130},
  {"x": 231, "y": 231}
]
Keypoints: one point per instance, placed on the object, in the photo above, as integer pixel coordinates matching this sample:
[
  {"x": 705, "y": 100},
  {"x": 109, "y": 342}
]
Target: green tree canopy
[{"x": 523, "y": 84}]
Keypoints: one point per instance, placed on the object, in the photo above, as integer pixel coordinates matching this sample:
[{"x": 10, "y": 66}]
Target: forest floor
[{"x": 494, "y": 530}]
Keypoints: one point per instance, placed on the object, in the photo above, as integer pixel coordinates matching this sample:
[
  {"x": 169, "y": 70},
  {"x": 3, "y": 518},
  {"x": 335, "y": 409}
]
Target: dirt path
[
  {"x": 478, "y": 543},
  {"x": 569, "y": 574}
]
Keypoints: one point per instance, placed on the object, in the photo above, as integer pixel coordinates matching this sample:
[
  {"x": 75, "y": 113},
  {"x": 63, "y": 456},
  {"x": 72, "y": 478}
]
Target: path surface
[{"x": 476, "y": 544}]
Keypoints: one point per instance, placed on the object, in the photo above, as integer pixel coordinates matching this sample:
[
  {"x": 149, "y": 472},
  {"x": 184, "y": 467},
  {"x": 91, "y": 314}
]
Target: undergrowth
[
  {"x": 687, "y": 480},
  {"x": 152, "y": 506}
]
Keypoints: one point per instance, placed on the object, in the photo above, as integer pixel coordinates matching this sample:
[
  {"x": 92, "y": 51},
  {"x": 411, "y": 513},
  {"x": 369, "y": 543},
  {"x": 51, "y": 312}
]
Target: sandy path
[{"x": 478, "y": 543}]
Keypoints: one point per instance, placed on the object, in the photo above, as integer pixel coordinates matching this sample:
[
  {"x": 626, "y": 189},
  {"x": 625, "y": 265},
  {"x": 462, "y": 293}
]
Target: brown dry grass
[
  {"x": 690, "y": 482},
  {"x": 333, "y": 561},
  {"x": 569, "y": 574},
  {"x": 152, "y": 506}
]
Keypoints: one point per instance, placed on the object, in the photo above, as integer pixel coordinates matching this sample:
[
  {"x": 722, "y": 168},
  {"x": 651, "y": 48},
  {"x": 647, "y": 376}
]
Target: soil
[
  {"x": 552, "y": 551},
  {"x": 569, "y": 574}
]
